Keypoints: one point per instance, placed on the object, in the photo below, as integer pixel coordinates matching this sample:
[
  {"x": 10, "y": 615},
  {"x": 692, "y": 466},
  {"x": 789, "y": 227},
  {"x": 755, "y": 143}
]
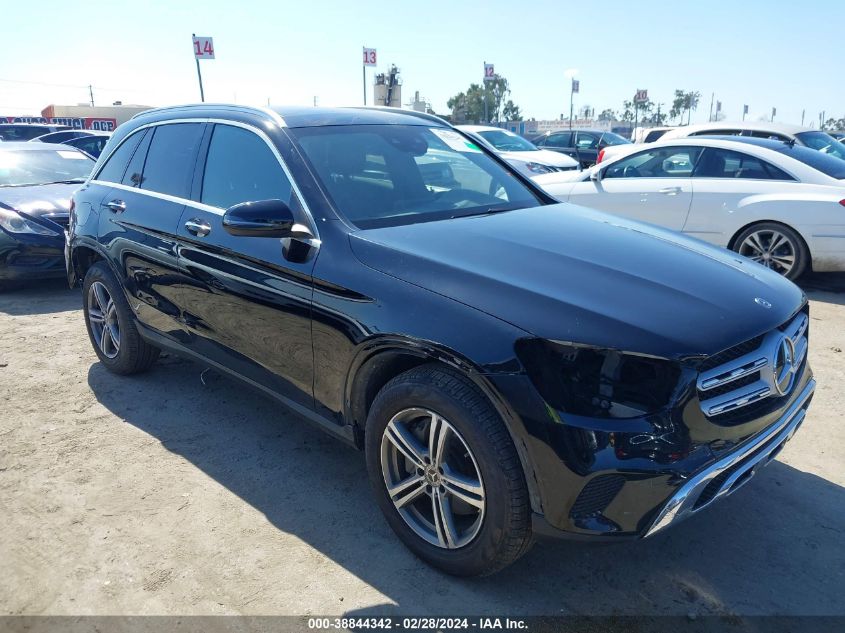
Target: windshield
[
  {"x": 828, "y": 164},
  {"x": 505, "y": 141},
  {"x": 822, "y": 142},
  {"x": 386, "y": 175},
  {"x": 609, "y": 138},
  {"x": 38, "y": 167}
]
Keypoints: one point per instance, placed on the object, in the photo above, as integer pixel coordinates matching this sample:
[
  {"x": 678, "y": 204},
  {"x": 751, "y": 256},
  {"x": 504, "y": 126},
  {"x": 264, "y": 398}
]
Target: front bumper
[
  {"x": 24, "y": 257},
  {"x": 601, "y": 479},
  {"x": 733, "y": 471}
]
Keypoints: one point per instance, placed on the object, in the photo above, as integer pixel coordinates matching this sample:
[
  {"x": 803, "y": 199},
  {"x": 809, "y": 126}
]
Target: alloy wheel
[
  {"x": 771, "y": 248},
  {"x": 432, "y": 478},
  {"x": 102, "y": 315}
]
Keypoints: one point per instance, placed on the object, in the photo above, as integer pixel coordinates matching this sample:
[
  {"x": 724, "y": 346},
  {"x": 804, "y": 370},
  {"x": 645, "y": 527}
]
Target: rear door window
[
  {"x": 724, "y": 163},
  {"x": 132, "y": 177},
  {"x": 171, "y": 158},
  {"x": 116, "y": 164}
]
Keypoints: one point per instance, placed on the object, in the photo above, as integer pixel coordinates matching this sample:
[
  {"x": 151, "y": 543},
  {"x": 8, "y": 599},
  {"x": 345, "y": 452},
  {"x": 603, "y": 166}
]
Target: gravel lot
[{"x": 161, "y": 494}]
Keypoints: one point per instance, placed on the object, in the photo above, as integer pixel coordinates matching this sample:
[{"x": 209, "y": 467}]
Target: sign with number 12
[{"x": 203, "y": 47}]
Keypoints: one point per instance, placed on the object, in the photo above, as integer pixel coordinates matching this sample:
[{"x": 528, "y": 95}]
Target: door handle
[
  {"x": 116, "y": 206},
  {"x": 670, "y": 191},
  {"x": 198, "y": 227}
]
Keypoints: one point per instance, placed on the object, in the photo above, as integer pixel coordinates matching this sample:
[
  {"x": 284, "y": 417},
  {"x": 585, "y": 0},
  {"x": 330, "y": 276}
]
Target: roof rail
[
  {"x": 420, "y": 115},
  {"x": 272, "y": 114}
]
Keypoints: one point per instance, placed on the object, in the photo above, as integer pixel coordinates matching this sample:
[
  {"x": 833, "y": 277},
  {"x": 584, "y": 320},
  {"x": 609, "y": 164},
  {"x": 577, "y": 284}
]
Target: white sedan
[
  {"x": 780, "y": 204},
  {"x": 519, "y": 152}
]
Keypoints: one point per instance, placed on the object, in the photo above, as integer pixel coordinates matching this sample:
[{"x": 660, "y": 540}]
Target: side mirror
[
  {"x": 264, "y": 218},
  {"x": 595, "y": 175}
]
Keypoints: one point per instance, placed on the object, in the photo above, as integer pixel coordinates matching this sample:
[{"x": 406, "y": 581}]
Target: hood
[
  {"x": 39, "y": 200},
  {"x": 567, "y": 273},
  {"x": 544, "y": 157}
]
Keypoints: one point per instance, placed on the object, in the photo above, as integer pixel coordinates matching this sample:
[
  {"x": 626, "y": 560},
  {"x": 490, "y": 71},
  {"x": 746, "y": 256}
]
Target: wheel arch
[
  {"x": 379, "y": 361},
  {"x": 82, "y": 257}
]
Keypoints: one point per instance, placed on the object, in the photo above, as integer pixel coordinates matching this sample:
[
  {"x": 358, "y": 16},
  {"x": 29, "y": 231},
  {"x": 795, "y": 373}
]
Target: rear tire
[
  {"x": 775, "y": 246},
  {"x": 432, "y": 436},
  {"x": 111, "y": 324}
]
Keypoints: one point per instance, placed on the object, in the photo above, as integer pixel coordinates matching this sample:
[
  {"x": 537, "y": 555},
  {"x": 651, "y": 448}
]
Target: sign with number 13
[{"x": 369, "y": 57}]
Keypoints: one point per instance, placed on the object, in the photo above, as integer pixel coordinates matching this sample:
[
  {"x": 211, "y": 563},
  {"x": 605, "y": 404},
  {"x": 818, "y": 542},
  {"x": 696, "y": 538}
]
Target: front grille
[
  {"x": 740, "y": 384},
  {"x": 732, "y": 353},
  {"x": 597, "y": 495}
]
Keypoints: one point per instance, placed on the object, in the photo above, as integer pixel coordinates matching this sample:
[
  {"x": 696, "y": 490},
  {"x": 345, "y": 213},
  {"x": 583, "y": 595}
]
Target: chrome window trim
[{"x": 195, "y": 203}]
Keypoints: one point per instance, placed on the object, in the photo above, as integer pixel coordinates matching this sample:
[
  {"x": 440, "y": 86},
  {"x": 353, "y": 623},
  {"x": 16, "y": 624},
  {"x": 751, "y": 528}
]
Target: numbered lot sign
[
  {"x": 370, "y": 57},
  {"x": 203, "y": 47},
  {"x": 489, "y": 73}
]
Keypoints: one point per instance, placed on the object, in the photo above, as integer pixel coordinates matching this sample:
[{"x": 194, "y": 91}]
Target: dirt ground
[{"x": 164, "y": 494}]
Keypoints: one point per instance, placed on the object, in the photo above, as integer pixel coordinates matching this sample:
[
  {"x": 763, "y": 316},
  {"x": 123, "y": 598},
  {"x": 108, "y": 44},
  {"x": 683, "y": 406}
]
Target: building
[
  {"x": 84, "y": 116},
  {"x": 388, "y": 89}
]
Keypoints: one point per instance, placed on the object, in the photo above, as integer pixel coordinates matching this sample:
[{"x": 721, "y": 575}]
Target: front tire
[
  {"x": 775, "y": 246},
  {"x": 111, "y": 324},
  {"x": 446, "y": 474}
]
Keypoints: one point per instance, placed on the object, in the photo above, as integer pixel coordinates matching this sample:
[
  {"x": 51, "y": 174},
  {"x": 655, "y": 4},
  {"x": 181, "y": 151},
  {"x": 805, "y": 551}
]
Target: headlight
[
  {"x": 14, "y": 222},
  {"x": 598, "y": 382},
  {"x": 537, "y": 168}
]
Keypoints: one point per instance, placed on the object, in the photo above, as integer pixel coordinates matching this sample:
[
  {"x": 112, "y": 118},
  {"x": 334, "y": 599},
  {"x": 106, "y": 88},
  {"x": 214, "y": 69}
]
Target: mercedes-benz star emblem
[
  {"x": 784, "y": 365},
  {"x": 762, "y": 302}
]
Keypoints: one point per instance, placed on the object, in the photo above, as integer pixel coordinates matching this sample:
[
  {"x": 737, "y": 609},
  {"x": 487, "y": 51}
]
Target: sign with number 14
[{"x": 203, "y": 47}]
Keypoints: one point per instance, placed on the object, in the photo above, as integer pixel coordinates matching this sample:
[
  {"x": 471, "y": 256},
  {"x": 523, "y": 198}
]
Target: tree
[
  {"x": 627, "y": 111},
  {"x": 834, "y": 125},
  {"x": 470, "y": 105},
  {"x": 607, "y": 115},
  {"x": 684, "y": 103},
  {"x": 584, "y": 112},
  {"x": 511, "y": 112}
]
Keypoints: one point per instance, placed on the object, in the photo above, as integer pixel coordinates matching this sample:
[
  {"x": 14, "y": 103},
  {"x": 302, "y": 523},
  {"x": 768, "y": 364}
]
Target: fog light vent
[{"x": 597, "y": 495}]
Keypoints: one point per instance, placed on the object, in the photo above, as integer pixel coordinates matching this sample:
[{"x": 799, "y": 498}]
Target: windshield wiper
[{"x": 487, "y": 211}]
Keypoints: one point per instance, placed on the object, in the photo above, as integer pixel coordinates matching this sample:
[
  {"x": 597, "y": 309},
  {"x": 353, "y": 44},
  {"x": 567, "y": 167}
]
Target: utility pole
[
  {"x": 315, "y": 101},
  {"x": 802, "y": 118},
  {"x": 571, "y": 101},
  {"x": 91, "y": 92},
  {"x": 712, "y": 96}
]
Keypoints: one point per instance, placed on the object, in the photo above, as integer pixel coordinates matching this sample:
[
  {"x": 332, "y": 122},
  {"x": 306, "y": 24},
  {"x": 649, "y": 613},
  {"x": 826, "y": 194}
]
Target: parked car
[
  {"x": 27, "y": 131},
  {"x": 36, "y": 182},
  {"x": 509, "y": 366},
  {"x": 648, "y": 134},
  {"x": 582, "y": 145},
  {"x": 91, "y": 144},
  {"x": 814, "y": 139},
  {"x": 839, "y": 136},
  {"x": 61, "y": 136},
  {"x": 778, "y": 203},
  {"x": 520, "y": 152}
]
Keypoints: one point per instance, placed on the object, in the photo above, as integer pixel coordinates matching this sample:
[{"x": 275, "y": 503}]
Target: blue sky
[{"x": 777, "y": 53}]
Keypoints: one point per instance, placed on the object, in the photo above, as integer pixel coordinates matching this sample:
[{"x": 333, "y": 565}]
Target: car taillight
[
  {"x": 600, "y": 156},
  {"x": 842, "y": 202}
]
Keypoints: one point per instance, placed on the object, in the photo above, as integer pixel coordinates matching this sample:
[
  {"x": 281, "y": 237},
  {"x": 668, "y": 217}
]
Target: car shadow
[
  {"x": 827, "y": 287},
  {"x": 46, "y": 296},
  {"x": 775, "y": 547}
]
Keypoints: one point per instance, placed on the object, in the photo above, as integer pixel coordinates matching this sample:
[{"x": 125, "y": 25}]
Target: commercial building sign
[{"x": 78, "y": 123}]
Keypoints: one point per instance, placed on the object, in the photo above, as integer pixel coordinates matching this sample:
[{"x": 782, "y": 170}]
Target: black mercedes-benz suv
[{"x": 510, "y": 366}]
